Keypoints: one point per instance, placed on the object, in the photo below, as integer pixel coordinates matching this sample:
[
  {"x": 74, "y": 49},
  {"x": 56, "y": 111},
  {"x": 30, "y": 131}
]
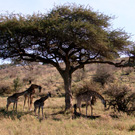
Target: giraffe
[
  {"x": 14, "y": 99},
  {"x": 40, "y": 104},
  {"x": 87, "y": 97},
  {"x": 28, "y": 94}
]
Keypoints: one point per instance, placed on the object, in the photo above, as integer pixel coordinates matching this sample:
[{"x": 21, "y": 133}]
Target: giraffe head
[
  {"x": 49, "y": 94},
  {"x": 75, "y": 106},
  {"x": 40, "y": 88},
  {"x": 104, "y": 103}
]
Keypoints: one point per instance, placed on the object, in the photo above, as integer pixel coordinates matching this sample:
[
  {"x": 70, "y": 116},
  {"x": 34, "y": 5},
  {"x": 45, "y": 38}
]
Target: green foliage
[
  {"x": 16, "y": 84},
  {"x": 74, "y": 35},
  {"x": 132, "y": 128},
  {"x": 84, "y": 32}
]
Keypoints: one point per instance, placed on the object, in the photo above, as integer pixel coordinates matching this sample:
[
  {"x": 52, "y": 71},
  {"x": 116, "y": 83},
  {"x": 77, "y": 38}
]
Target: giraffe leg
[
  {"x": 28, "y": 103},
  {"x": 91, "y": 110},
  {"x": 25, "y": 97},
  {"x": 14, "y": 106},
  {"x": 38, "y": 111},
  {"x": 80, "y": 110},
  {"x": 35, "y": 109},
  {"x": 91, "y": 106},
  {"x": 86, "y": 109},
  {"x": 31, "y": 99},
  {"x": 79, "y": 106},
  {"x": 7, "y": 105},
  {"x": 42, "y": 112}
]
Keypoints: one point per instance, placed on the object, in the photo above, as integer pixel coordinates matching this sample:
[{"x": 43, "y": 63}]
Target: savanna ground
[{"x": 57, "y": 122}]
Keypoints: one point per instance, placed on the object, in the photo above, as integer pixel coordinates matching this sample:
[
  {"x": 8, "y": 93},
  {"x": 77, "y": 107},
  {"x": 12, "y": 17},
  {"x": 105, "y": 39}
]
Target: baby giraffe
[
  {"x": 14, "y": 99},
  {"x": 40, "y": 104}
]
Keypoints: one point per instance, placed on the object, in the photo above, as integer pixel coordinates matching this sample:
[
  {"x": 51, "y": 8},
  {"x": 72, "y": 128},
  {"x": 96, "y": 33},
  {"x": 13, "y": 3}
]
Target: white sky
[{"x": 123, "y": 10}]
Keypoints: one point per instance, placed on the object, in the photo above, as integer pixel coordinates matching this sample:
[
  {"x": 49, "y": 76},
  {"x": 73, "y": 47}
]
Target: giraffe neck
[
  {"x": 94, "y": 93},
  {"x": 44, "y": 98},
  {"x": 29, "y": 89},
  {"x": 20, "y": 94}
]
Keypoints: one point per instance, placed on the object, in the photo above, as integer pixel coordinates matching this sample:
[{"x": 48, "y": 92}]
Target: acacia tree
[{"x": 71, "y": 34}]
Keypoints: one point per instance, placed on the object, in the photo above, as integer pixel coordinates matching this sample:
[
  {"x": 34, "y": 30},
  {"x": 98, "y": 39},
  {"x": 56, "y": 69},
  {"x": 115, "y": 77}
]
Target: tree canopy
[{"x": 71, "y": 34}]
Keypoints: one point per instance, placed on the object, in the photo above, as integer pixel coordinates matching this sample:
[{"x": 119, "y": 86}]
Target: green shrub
[
  {"x": 16, "y": 84},
  {"x": 132, "y": 128}
]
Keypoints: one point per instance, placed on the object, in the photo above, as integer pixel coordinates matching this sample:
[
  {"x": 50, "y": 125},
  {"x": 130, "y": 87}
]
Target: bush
[
  {"x": 80, "y": 75},
  {"x": 132, "y": 128},
  {"x": 121, "y": 98},
  {"x": 5, "y": 88},
  {"x": 85, "y": 86},
  {"x": 103, "y": 75},
  {"x": 16, "y": 84}
]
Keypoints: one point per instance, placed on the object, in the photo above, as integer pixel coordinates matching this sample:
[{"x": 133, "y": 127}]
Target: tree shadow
[
  {"x": 57, "y": 115},
  {"x": 12, "y": 114},
  {"x": 59, "y": 112},
  {"x": 74, "y": 115},
  {"x": 77, "y": 115}
]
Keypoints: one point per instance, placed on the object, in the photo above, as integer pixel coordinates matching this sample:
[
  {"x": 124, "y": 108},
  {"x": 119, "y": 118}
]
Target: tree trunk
[{"x": 68, "y": 93}]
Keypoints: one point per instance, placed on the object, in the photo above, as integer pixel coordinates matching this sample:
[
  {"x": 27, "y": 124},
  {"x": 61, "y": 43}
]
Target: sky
[{"x": 123, "y": 10}]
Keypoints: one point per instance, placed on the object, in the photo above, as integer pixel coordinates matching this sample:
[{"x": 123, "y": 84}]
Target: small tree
[
  {"x": 71, "y": 34},
  {"x": 16, "y": 84}
]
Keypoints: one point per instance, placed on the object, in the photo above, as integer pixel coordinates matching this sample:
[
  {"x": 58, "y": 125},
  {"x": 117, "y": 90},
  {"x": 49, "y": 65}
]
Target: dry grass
[{"x": 57, "y": 122}]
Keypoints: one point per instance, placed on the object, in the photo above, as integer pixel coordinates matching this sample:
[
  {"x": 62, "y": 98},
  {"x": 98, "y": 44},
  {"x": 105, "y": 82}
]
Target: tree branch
[{"x": 81, "y": 65}]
